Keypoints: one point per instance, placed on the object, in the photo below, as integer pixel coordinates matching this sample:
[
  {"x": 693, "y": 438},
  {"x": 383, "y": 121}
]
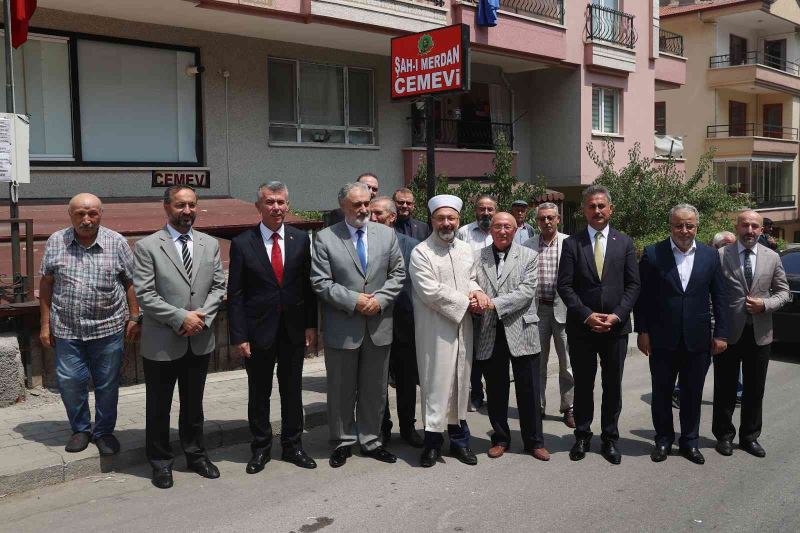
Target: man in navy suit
[
  {"x": 599, "y": 283},
  {"x": 679, "y": 277},
  {"x": 273, "y": 317}
]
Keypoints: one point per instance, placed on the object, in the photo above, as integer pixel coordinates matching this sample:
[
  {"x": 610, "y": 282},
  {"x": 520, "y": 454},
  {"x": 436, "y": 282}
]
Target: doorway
[
  {"x": 773, "y": 121},
  {"x": 737, "y": 118}
]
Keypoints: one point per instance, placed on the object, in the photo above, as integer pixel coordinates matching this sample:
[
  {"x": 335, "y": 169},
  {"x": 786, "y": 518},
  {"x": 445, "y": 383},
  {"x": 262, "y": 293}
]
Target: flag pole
[{"x": 12, "y": 186}]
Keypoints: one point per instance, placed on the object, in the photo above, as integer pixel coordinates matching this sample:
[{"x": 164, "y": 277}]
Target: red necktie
[{"x": 277, "y": 258}]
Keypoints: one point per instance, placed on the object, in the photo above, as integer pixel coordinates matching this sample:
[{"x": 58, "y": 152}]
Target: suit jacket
[
  {"x": 413, "y": 228},
  {"x": 403, "y": 306},
  {"x": 514, "y": 299},
  {"x": 338, "y": 278},
  {"x": 559, "y": 308},
  {"x": 668, "y": 313},
  {"x": 166, "y": 294},
  {"x": 769, "y": 283},
  {"x": 584, "y": 292},
  {"x": 256, "y": 300}
]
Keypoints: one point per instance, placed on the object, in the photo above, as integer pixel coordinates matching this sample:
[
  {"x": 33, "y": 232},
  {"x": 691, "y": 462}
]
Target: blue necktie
[{"x": 361, "y": 249}]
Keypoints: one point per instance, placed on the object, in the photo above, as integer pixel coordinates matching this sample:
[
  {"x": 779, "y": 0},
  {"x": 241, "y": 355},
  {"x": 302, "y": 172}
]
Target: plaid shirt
[
  {"x": 89, "y": 299},
  {"x": 548, "y": 268}
]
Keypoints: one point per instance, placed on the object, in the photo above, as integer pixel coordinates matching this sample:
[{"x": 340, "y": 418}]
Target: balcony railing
[
  {"x": 751, "y": 129},
  {"x": 476, "y": 135},
  {"x": 610, "y": 25},
  {"x": 548, "y": 9},
  {"x": 669, "y": 42},
  {"x": 765, "y": 202},
  {"x": 754, "y": 58}
]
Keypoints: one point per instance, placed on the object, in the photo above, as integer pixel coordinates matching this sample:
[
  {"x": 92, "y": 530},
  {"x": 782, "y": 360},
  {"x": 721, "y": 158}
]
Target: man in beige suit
[{"x": 757, "y": 287}]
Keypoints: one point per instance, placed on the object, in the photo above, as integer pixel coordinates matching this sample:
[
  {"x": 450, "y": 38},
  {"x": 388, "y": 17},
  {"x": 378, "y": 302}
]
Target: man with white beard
[{"x": 442, "y": 272}]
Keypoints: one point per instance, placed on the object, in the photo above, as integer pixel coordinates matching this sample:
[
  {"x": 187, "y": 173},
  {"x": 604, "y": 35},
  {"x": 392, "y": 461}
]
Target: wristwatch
[{"x": 137, "y": 318}]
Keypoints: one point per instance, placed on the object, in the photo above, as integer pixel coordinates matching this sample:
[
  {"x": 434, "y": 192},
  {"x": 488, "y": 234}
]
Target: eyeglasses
[
  {"x": 501, "y": 227},
  {"x": 375, "y": 189},
  {"x": 689, "y": 227},
  {"x": 546, "y": 218}
]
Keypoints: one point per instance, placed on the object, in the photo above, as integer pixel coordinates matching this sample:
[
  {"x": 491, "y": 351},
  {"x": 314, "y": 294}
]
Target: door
[
  {"x": 738, "y": 50},
  {"x": 737, "y": 119},
  {"x": 773, "y": 120},
  {"x": 775, "y": 54}
]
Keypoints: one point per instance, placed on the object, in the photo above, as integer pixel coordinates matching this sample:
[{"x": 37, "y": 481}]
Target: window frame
[
  {"x": 77, "y": 158},
  {"x": 300, "y": 126},
  {"x": 601, "y": 110},
  {"x": 660, "y": 118}
]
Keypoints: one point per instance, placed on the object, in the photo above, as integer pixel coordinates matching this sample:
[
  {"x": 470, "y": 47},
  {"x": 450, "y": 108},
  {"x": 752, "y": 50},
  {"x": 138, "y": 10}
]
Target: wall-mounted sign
[
  {"x": 431, "y": 62},
  {"x": 195, "y": 178}
]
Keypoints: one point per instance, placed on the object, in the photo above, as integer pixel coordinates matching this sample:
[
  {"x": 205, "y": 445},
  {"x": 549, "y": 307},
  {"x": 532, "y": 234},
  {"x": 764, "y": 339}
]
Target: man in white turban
[{"x": 442, "y": 272}]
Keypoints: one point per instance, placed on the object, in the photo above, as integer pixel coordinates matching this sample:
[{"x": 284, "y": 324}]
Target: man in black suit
[
  {"x": 273, "y": 317},
  {"x": 404, "y": 222},
  {"x": 598, "y": 280},
  {"x": 370, "y": 180}
]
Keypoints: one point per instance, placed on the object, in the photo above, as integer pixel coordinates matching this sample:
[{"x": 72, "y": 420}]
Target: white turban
[{"x": 445, "y": 200}]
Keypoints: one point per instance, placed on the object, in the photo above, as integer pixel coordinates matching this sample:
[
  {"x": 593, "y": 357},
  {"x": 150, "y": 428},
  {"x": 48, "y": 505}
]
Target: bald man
[{"x": 88, "y": 308}]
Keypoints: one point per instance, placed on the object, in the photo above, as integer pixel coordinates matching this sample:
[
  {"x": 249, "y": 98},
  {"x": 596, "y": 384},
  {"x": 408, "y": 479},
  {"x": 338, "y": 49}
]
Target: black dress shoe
[
  {"x": 257, "y": 462},
  {"x": 162, "y": 477},
  {"x": 381, "y": 454},
  {"x": 753, "y": 447},
  {"x": 694, "y": 455},
  {"x": 724, "y": 447},
  {"x": 205, "y": 468},
  {"x": 299, "y": 458},
  {"x": 579, "y": 449},
  {"x": 412, "y": 438},
  {"x": 660, "y": 453},
  {"x": 339, "y": 456},
  {"x": 611, "y": 453},
  {"x": 429, "y": 457},
  {"x": 465, "y": 455},
  {"x": 77, "y": 442}
]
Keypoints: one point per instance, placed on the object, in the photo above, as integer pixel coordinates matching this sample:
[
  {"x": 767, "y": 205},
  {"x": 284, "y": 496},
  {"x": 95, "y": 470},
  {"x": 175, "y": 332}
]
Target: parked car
[{"x": 786, "y": 321}]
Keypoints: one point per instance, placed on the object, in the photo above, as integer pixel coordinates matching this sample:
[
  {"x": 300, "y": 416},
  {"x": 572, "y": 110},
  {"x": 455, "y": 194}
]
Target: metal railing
[
  {"x": 22, "y": 284},
  {"x": 475, "y": 134},
  {"x": 763, "y": 202},
  {"x": 754, "y": 57},
  {"x": 548, "y": 9},
  {"x": 669, "y": 42},
  {"x": 751, "y": 129},
  {"x": 610, "y": 25}
]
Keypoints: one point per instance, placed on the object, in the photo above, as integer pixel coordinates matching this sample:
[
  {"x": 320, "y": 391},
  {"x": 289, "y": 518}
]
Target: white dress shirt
[
  {"x": 603, "y": 242},
  {"x": 474, "y": 236},
  {"x": 684, "y": 261},
  {"x": 266, "y": 234},
  {"x": 175, "y": 234},
  {"x": 354, "y": 238},
  {"x": 753, "y": 256}
]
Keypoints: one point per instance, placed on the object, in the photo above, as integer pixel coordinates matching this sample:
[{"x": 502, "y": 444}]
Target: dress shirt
[
  {"x": 684, "y": 261},
  {"x": 523, "y": 233},
  {"x": 548, "y": 268},
  {"x": 753, "y": 256},
  {"x": 354, "y": 237},
  {"x": 603, "y": 242},
  {"x": 474, "y": 236},
  {"x": 266, "y": 234},
  {"x": 176, "y": 235}
]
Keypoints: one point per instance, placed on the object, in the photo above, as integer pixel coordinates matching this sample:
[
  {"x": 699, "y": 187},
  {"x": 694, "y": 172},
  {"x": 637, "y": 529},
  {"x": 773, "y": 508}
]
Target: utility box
[{"x": 14, "y": 148}]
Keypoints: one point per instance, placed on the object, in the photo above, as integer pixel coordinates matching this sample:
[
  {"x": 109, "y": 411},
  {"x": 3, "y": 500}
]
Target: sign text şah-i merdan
[{"x": 429, "y": 80}]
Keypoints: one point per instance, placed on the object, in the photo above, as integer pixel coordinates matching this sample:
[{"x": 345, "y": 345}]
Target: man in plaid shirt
[{"x": 87, "y": 306}]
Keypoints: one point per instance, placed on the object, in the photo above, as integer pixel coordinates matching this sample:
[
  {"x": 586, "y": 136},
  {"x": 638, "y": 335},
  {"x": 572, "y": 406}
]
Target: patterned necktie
[
  {"x": 501, "y": 261},
  {"x": 361, "y": 249},
  {"x": 598, "y": 254},
  {"x": 277, "y": 258},
  {"x": 186, "y": 256},
  {"x": 748, "y": 268}
]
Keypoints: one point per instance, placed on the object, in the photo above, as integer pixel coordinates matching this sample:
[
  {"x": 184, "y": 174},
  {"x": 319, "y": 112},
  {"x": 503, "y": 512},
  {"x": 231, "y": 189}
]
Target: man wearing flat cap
[
  {"x": 519, "y": 209},
  {"x": 442, "y": 272}
]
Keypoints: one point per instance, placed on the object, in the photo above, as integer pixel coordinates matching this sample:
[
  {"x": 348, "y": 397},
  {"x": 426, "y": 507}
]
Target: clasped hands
[
  {"x": 192, "y": 324},
  {"x": 601, "y": 322},
  {"x": 367, "y": 304},
  {"x": 479, "y": 302}
]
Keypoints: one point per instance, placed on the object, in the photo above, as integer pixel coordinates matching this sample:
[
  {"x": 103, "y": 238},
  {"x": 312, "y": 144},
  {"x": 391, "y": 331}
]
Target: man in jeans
[{"x": 87, "y": 308}]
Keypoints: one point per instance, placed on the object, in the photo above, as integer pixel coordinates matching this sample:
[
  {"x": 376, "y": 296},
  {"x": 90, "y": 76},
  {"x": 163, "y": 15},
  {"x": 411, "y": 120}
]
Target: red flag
[{"x": 21, "y": 13}]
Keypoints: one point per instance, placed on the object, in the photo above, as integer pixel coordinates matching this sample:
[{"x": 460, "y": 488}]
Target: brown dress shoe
[
  {"x": 541, "y": 453},
  {"x": 569, "y": 418},
  {"x": 497, "y": 451}
]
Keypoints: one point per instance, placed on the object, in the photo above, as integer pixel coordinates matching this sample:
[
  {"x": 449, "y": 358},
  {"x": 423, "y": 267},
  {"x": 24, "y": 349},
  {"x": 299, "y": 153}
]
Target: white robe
[{"x": 443, "y": 275}]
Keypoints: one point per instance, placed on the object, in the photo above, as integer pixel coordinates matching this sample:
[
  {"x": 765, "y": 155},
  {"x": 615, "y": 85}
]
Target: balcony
[
  {"x": 610, "y": 39},
  {"x": 406, "y": 15},
  {"x": 670, "y": 43},
  {"x": 547, "y": 10},
  {"x": 457, "y": 133},
  {"x": 753, "y": 71},
  {"x": 773, "y": 202},
  {"x": 670, "y": 64},
  {"x": 750, "y": 138}
]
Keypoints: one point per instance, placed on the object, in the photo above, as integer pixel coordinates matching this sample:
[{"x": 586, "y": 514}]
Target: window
[
  {"x": 769, "y": 183},
  {"x": 605, "y": 110},
  {"x": 100, "y": 101},
  {"x": 661, "y": 118},
  {"x": 316, "y": 103}
]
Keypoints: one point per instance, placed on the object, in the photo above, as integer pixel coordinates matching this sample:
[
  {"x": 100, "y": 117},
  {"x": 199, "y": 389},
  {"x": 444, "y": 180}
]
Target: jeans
[{"x": 101, "y": 359}]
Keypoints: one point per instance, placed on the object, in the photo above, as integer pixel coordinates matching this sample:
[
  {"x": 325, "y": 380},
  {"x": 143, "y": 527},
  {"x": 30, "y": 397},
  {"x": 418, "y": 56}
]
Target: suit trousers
[
  {"x": 160, "y": 377},
  {"x": 585, "y": 348},
  {"x": 690, "y": 368},
  {"x": 526, "y": 386},
  {"x": 754, "y": 360},
  {"x": 403, "y": 365},
  {"x": 549, "y": 328},
  {"x": 357, "y": 382},
  {"x": 260, "y": 367},
  {"x": 476, "y": 380}
]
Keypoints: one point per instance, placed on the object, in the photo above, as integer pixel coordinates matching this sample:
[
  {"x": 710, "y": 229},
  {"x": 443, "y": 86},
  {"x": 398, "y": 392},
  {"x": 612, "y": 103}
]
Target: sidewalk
[{"x": 33, "y": 434}]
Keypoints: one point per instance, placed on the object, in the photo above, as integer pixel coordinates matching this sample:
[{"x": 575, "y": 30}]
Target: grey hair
[
  {"x": 547, "y": 205},
  {"x": 591, "y": 190},
  {"x": 685, "y": 207},
  {"x": 721, "y": 236},
  {"x": 388, "y": 201},
  {"x": 347, "y": 187},
  {"x": 273, "y": 186}
]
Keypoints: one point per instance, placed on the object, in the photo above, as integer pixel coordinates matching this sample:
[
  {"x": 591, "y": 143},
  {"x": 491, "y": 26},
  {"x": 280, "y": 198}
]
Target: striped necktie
[{"x": 187, "y": 257}]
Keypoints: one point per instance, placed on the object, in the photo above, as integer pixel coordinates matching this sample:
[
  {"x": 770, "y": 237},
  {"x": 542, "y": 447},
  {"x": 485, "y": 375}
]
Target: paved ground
[{"x": 514, "y": 493}]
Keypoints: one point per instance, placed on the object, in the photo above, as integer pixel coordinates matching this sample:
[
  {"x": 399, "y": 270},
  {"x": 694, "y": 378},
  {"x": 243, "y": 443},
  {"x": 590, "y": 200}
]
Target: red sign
[{"x": 431, "y": 62}]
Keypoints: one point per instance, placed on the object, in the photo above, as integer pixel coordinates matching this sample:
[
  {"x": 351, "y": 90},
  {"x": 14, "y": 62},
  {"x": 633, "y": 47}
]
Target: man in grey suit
[
  {"x": 757, "y": 287},
  {"x": 357, "y": 272},
  {"x": 508, "y": 273},
  {"x": 180, "y": 284}
]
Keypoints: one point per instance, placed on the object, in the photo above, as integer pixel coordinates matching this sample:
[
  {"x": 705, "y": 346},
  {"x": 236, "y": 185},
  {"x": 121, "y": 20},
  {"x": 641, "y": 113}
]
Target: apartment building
[{"x": 124, "y": 95}]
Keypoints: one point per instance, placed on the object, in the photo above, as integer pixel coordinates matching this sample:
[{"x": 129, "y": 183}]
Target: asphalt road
[{"x": 513, "y": 493}]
